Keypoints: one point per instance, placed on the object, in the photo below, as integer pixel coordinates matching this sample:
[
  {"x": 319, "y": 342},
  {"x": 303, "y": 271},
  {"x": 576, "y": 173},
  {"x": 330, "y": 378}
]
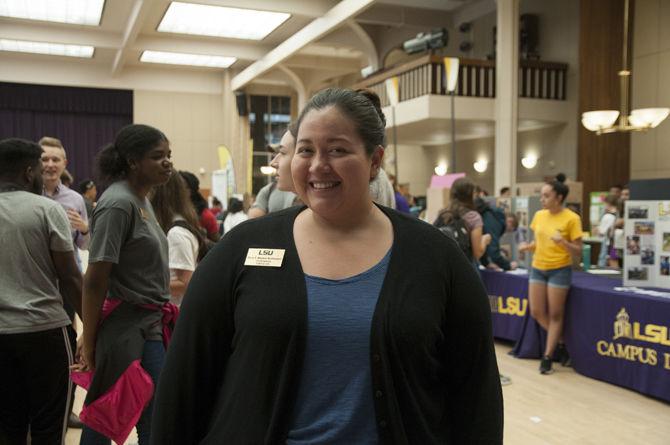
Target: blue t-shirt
[{"x": 335, "y": 403}]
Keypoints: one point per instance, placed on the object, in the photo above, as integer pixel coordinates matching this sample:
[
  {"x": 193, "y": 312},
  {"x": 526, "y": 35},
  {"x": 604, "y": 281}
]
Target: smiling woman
[
  {"x": 126, "y": 289},
  {"x": 358, "y": 325}
]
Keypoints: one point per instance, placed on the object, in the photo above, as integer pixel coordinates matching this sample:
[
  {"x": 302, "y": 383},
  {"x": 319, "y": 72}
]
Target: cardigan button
[
  {"x": 378, "y": 394},
  {"x": 376, "y": 358},
  {"x": 383, "y": 424}
]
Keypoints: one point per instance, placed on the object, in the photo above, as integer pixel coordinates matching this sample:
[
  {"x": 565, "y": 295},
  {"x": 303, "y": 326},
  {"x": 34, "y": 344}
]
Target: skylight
[
  {"x": 187, "y": 59},
  {"x": 219, "y": 21},
  {"x": 52, "y": 49},
  {"x": 78, "y": 12}
]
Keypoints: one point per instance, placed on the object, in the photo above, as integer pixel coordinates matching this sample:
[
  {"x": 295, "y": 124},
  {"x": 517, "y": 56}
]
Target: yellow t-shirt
[{"x": 549, "y": 255}]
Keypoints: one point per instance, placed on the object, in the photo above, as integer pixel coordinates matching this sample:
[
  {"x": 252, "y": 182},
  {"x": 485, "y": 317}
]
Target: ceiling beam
[
  {"x": 342, "y": 12},
  {"x": 297, "y": 83},
  {"x": 473, "y": 11},
  {"x": 443, "y": 5},
  {"x": 241, "y": 50},
  {"x": 323, "y": 63},
  {"x": 388, "y": 15},
  {"x": 71, "y": 36},
  {"x": 136, "y": 19},
  {"x": 311, "y": 8},
  {"x": 367, "y": 44}
]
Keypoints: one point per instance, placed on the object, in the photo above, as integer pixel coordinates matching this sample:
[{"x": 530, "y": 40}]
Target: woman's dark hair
[
  {"x": 461, "y": 200},
  {"x": 193, "y": 184},
  {"x": 234, "y": 206},
  {"x": 361, "y": 106},
  {"x": 131, "y": 142},
  {"x": 612, "y": 200},
  {"x": 171, "y": 200},
  {"x": 18, "y": 154},
  {"x": 559, "y": 187}
]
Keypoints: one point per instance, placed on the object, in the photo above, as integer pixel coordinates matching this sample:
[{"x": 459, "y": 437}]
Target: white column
[{"x": 507, "y": 93}]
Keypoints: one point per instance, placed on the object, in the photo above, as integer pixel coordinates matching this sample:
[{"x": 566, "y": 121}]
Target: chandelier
[{"x": 642, "y": 119}]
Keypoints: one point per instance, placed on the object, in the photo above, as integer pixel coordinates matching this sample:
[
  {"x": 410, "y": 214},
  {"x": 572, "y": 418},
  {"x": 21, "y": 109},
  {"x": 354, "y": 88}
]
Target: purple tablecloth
[{"x": 618, "y": 337}]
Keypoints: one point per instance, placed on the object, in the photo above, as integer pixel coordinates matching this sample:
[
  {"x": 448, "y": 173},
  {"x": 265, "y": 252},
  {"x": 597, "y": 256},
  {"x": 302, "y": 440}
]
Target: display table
[{"x": 620, "y": 337}]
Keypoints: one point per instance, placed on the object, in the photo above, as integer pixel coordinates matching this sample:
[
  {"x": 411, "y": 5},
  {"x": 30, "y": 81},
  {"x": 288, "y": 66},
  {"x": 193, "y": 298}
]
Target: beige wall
[
  {"x": 197, "y": 124},
  {"x": 414, "y": 167},
  {"x": 650, "y": 151}
]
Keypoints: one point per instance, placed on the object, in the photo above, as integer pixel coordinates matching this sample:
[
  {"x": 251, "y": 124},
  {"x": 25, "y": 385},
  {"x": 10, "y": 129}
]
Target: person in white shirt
[
  {"x": 186, "y": 239},
  {"x": 235, "y": 215},
  {"x": 606, "y": 228}
]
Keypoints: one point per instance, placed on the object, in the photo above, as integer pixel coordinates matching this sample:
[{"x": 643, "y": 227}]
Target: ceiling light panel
[
  {"x": 78, "y": 12},
  {"x": 219, "y": 21},
  {"x": 52, "y": 49},
  {"x": 187, "y": 59}
]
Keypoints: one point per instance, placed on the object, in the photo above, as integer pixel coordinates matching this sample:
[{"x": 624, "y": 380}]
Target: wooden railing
[{"x": 476, "y": 78}]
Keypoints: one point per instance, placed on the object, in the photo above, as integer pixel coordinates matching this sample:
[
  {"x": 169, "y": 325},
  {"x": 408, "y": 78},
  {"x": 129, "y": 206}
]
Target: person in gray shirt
[
  {"x": 128, "y": 271},
  {"x": 38, "y": 273},
  {"x": 271, "y": 199}
]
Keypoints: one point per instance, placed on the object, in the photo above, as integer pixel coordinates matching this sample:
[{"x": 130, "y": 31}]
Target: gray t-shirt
[
  {"x": 271, "y": 199},
  {"x": 31, "y": 226},
  {"x": 125, "y": 232}
]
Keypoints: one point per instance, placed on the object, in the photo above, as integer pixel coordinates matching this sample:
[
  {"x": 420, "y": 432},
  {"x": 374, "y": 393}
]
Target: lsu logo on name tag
[{"x": 264, "y": 257}]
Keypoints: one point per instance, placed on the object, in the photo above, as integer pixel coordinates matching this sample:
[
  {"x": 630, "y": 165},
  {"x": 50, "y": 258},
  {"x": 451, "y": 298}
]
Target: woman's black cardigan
[{"x": 233, "y": 368}]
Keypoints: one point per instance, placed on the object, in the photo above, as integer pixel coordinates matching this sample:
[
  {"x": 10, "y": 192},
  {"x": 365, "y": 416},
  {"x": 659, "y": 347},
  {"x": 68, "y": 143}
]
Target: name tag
[{"x": 264, "y": 257}]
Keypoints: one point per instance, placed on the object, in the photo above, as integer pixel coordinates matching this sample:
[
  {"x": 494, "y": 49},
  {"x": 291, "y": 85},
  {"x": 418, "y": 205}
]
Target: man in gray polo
[{"x": 38, "y": 273}]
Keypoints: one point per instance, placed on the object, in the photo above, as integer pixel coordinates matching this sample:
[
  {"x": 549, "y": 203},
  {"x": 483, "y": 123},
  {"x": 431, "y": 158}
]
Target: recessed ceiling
[
  {"x": 186, "y": 59},
  {"x": 50, "y": 49},
  {"x": 219, "y": 21},
  {"x": 77, "y": 12}
]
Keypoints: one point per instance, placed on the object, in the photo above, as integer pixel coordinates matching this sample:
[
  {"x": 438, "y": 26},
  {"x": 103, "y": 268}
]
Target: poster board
[
  {"x": 647, "y": 244},
  {"x": 436, "y": 200}
]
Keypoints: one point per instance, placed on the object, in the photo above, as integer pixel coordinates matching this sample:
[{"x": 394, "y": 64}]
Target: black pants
[{"x": 35, "y": 386}]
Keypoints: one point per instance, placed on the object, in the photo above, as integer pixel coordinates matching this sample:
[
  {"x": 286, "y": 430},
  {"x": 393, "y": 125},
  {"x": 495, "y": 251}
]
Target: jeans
[
  {"x": 560, "y": 278},
  {"x": 604, "y": 251},
  {"x": 153, "y": 358}
]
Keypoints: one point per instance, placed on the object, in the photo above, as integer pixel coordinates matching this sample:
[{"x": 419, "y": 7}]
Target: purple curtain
[{"x": 84, "y": 119}]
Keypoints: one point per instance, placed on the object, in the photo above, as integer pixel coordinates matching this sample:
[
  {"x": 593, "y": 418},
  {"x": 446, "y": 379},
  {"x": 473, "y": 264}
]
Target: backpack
[
  {"x": 456, "y": 230},
  {"x": 204, "y": 243},
  {"x": 499, "y": 216}
]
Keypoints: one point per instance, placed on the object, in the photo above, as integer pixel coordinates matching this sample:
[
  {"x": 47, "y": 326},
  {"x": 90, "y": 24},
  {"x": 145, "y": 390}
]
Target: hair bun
[
  {"x": 376, "y": 102},
  {"x": 561, "y": 178}
]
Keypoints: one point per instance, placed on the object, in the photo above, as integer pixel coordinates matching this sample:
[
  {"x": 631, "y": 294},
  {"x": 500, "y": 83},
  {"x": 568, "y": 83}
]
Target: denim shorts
[{"x": 560, "y": 278}]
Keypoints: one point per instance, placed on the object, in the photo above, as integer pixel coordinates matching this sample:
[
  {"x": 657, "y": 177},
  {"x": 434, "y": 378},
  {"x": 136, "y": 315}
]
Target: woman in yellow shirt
[{"x": 558, "y": 236}]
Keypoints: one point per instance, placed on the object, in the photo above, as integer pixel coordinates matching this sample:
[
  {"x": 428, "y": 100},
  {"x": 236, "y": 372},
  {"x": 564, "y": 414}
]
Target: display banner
[
  {"x": 619, "y": 337},
  {"x": 612, "y": 335},
  {"x": 508, "y": 296},
  {"x": 647, "y": 250}
]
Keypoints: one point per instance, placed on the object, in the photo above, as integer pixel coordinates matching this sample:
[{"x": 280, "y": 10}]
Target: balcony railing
[{"x": 476, "y": 78}]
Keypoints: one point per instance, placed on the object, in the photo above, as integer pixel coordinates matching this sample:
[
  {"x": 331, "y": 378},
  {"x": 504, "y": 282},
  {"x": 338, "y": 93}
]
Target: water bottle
[{"x": 586, "y": 257}]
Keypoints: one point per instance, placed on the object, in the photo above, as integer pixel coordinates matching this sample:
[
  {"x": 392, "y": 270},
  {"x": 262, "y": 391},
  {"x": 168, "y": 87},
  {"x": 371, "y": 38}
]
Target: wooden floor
[{"x": 562, "y": 408}]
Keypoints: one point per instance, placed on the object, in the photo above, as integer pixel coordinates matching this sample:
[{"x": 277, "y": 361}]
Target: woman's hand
[
  {"x": 85, "y": 357},
  {"x": 526, "y": 247},
  {"x": 486, "y": 239},
  {"x": 557, "y": 237}
]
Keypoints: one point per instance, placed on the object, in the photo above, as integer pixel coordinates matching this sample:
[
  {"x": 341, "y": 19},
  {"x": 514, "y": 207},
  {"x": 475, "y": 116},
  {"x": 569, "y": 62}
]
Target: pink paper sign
[{"x": 446, "y": 180}]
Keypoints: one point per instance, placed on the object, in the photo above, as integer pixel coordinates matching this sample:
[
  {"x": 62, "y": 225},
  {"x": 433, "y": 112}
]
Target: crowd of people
[{"x": 319, "y": 315}]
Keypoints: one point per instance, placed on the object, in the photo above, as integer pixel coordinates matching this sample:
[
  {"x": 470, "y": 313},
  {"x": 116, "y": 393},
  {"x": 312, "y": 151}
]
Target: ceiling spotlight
[
  {"x": 529, "y": 161},
  {"x": 441, "y": 169},
  {"x": 481, "y": 166}
]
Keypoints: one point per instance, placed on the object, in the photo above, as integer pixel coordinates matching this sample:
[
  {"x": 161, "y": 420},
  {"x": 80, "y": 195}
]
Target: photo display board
[{"x": 647, "y": 244}]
